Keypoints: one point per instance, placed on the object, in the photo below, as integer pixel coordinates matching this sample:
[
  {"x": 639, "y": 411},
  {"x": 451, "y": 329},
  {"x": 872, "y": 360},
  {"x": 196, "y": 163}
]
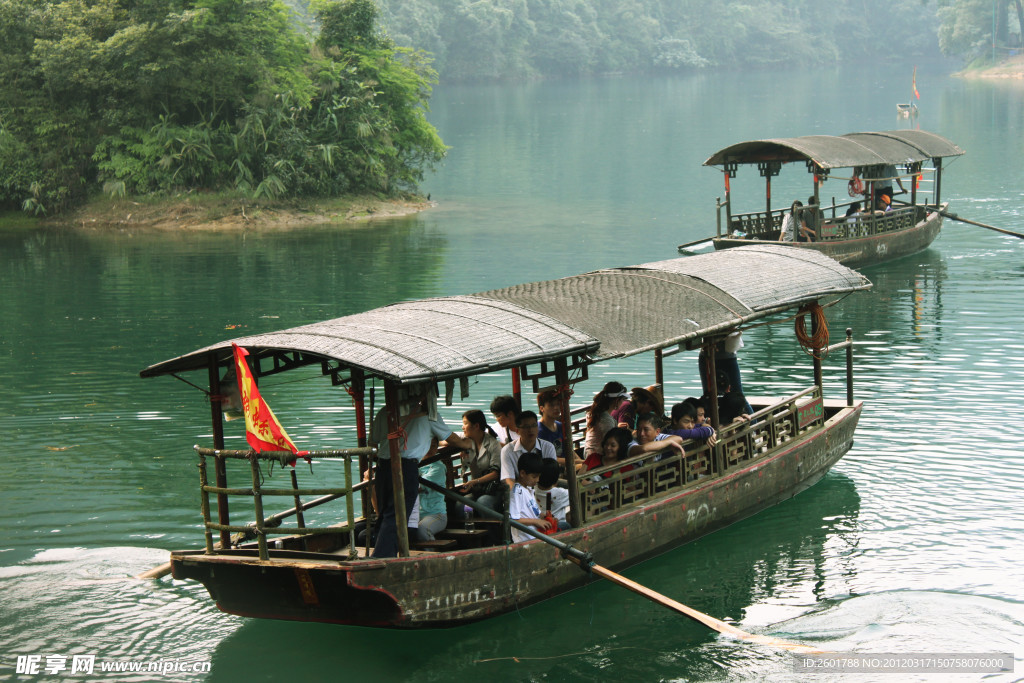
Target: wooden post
[
  {"x": 398, "y": 485},
  {"x": 358, "y": 392},
  {"x": 219, "y": 467},
  {"x": 659, "y": 370},
  {"x": 562, "y": 379},
  {"x": 300, "y": 519},
  {"x": 204, "y": 502},
  {"x": 818, "y": 213},
  {"x": 709, "y": 357},
  {"x": 817, "y": 354},
  {"x": 938, "y": 179},
  {"x": 517, "y": 389},
  {"x": 849, "y": 366},
  {"x": 257, "y": 501},
  {"x": 768, "y": 198},
  {"x": 728, "y": 203}
]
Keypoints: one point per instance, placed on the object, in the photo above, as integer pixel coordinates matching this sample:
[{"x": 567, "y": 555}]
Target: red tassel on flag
[{"x": 262, "y": 429}]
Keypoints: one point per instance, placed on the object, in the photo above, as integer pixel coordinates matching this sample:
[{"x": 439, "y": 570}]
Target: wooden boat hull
[
  {"x": 860, "y": 252},
  {"x": 447, "y": 589}
]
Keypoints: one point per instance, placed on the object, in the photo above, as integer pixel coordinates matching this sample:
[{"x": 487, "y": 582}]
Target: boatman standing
[{"x": 419, "y": 424}]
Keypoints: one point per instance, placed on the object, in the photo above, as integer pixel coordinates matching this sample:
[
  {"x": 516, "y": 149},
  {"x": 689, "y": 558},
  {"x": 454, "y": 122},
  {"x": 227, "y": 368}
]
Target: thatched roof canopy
[{"x": 605, "y": 313}]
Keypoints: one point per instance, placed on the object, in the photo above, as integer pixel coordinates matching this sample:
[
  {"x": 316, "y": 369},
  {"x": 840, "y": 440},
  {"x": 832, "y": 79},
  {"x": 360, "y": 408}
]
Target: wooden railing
[
  {"x": 263, "y": 526},
  {"x": 605, "y": 490},
  {"x": 763, "y": 225}
]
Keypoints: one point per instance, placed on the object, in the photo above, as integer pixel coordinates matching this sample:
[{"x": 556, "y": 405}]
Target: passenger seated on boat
[
  {"x": 483, "y": 459},
  {"x": 505, "y": 409},
  {"x": 733, "y": 407},
  {"x": 549, "y": 405},
  {"x": 526, "y": 443},
  {"x": 621, "y": 403},
  {"x": 615, "y": 448},
  {"x": 549, "y": 427},
  {"x": 641, "y": 400},
  {"x": 684, "y": 424},
  {"x": 550, "y": 496},
  {"x": 522, "y": 506},
  {"x": 792, "y": 222},
  {"x": 698, "y": 405},
  {"x": 885, "y": 203},
  {"x": 601, "y": 416},
  {"x": 433, "y": 514},
  {"x": 649, "y": 438},
  {"x": 419, "y": 423},
  {"x": 852, "y": 212}
]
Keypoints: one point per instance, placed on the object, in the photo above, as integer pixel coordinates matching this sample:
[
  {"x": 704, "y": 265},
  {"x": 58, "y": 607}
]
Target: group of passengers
[{"x": 525, "y": 452}]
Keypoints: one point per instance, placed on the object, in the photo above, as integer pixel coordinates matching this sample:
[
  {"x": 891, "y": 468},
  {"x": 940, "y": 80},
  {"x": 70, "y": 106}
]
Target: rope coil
[{"x": 813, "y": 344}]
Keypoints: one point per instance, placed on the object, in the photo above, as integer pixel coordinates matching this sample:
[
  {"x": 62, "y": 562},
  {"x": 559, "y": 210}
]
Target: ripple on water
[{"x": 69, "y": 601}]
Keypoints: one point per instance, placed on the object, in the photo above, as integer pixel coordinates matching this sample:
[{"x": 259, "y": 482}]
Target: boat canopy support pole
[
  {"x": 358, "y": 392},
  {"x": 767, "y": 170},
  {"x": 937, "y": 162},
  {"x": 659, "y": 369},
  {"x": 398, "y": 486},
  {"x": 219, "y": 467},
  {"x": 517, "y": 388},
  {"x": 817, "y": 353},
  {"x": 708, "y": 346},
  {"x": 568, "y": 454},
  {"x": 849, "y": 366}
]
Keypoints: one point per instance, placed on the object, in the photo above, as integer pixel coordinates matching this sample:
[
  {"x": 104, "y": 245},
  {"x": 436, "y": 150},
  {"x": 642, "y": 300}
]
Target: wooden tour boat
[
  {"x": 543, "y": 333},
  {"x": 860, "y": 240}
]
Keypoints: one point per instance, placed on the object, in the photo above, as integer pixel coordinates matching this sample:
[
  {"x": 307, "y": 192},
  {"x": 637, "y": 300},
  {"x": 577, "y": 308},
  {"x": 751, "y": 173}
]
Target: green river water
[{"x": 913, "y": 544}]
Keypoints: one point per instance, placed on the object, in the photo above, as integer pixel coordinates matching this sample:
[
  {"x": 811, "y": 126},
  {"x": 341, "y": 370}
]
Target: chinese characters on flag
[{"x": 262, "y": 430}]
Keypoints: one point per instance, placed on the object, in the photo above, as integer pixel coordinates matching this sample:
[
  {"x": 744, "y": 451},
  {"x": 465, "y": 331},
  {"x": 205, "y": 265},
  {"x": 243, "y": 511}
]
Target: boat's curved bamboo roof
[
  {"x": 606, "y": 313},
  {"x": 894, "y": 147}
]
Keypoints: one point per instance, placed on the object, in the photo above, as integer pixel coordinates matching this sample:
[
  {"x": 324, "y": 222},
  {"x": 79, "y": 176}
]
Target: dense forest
[
  {"x": 157, "y": 96},
  {"x": 489, "y": 39},
  {"x": 315, "y": 98}
]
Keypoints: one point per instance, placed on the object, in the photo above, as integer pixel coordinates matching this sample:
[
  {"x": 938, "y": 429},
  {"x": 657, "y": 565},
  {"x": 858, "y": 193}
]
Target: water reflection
[{"x": 755, "y": 573}]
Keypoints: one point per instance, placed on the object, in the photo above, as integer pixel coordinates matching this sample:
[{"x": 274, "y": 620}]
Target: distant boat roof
[
  {"x": 844, "y": 151},
  {"x": 605, "y": 314}
]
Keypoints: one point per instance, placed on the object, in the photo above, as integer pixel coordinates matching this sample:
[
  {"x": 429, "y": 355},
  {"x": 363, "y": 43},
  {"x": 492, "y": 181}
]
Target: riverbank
[
  {"x": 1012, "y": 68},
  {"x": 224, "y": 212}
]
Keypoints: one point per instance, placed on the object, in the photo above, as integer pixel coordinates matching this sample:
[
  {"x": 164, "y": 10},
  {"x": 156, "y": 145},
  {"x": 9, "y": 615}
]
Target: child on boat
[
  {"x": 649, "y": 438},
  {"x": 551, "y": 497},
  {"x": 684, "y": 424},
  {"x": 549, "y": 428},
  {"x": 523, "y": 507},
  {"x": 505, "y": 410}
]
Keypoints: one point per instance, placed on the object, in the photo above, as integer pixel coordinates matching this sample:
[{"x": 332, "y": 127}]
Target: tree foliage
[
  {"x": 966, "y": 27},
  {"x": 146, "y": 96},
  {"x": 488, "y": 39}
]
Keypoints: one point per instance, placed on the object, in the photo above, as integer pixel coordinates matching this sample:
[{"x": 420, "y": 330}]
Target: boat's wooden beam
[{"x": 219, "y": 467}]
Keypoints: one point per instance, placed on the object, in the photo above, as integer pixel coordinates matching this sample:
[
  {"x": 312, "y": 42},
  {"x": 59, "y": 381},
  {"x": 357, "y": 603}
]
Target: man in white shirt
[{"x": 526, "y": 425}]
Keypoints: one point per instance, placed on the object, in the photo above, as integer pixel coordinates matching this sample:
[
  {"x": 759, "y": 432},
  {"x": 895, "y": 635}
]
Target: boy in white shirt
[
  {"x": 546, "y": 490},
  {"x": 523, "y": 506}
]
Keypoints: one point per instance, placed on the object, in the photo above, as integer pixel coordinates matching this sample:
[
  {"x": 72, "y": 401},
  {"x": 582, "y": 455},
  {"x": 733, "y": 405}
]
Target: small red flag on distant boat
[
  {"x": 262, "y": 429},
  {"x": 916, "y": 94}
]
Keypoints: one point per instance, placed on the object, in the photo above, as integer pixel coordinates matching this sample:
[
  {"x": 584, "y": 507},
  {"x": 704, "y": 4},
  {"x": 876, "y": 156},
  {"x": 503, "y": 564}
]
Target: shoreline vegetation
[
  {"x": 216, "y": 211},
  {"x": 1012, "y": 68}
]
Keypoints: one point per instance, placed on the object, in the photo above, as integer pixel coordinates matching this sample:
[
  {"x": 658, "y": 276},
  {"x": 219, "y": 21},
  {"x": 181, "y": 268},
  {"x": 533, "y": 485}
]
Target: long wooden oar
[
  {"x": 586, "y": 563},
  {"x": 955, "y": 217},
  {"x": 684, "y": 247}
]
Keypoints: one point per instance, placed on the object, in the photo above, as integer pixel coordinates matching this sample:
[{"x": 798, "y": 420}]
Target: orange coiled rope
[{"x": 815, "y": 343}]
